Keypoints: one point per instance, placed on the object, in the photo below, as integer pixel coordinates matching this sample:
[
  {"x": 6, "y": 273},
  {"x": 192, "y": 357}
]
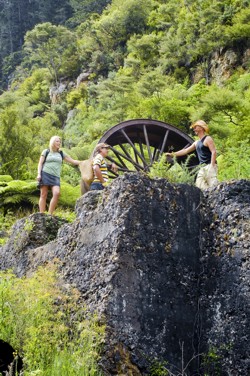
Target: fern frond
[
  {"x": 5, "y": 178},
  {"x": 18, "y": 186},
  {"x": 14, "y": 199},
  {"x": 177, "y": 173},
  {"x": 32, "y": 199}
]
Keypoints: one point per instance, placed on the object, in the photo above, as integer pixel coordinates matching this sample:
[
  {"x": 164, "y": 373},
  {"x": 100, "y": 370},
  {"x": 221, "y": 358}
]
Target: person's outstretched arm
[
  {"x": 68, "y": 159},
  {"x": 182, "y": 152}
]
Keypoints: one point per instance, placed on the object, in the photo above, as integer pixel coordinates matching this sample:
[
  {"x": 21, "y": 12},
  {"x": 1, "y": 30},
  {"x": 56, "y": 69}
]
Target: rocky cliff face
[
  {"x": 164, "y": 264},
  {"x": 225, "y": 279},
  {"x": 222, "y": 64}
]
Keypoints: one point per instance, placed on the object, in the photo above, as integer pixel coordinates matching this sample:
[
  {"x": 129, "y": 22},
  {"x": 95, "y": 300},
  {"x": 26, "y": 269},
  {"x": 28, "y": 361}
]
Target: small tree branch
[{"x": 230, "y": 117}]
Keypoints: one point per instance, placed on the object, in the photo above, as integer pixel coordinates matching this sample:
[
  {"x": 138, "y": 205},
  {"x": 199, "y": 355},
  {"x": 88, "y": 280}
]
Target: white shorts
[{"x": 207, "y": 177}]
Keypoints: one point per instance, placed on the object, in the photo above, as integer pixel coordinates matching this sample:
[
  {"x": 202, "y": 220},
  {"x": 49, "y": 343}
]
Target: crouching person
[{"x": 100, "y": 167}]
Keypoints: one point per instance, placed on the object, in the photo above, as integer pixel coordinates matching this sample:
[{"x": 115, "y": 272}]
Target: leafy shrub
[
  {"x": 69, "y": 195},
  {"x": 236, "y": 163},
  {"x": 176, "y": 173},
  {"x": 47, "y": 326},
  {"x": 158, "y": 368},
  {"x": 18, "y": 193},
  {"x": 76, "y": 96},
  {"x": 66, "y": 213},
  {"x": 5, "y": 178}
]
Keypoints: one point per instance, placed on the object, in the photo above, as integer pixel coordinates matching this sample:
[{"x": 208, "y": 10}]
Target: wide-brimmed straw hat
[{"x": 202, "y": 124}]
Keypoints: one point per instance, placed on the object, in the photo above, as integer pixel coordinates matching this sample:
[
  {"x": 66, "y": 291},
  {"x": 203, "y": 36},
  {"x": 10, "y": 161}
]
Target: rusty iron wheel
[{"x": 137, "y": 144}]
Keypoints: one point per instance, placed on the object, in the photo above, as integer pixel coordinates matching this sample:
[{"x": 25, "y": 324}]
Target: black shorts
[{"x": 96, "y": 187}]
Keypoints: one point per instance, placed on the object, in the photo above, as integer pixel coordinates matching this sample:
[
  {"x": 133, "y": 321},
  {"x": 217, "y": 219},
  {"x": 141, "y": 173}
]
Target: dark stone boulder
[
  {"x": 150, "y": 257},
  {"x": 10, "y": 362}
]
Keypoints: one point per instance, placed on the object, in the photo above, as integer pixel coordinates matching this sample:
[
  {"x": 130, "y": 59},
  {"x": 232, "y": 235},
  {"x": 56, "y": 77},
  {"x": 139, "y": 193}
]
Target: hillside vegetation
[
  {"x": 141, "y": 59},
  {"x": 44, "y": 323}
]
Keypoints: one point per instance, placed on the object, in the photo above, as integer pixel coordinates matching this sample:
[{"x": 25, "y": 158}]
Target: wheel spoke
[
  {"x": 155, "y": 154},
  {"x": 133, "y": 146},
  {"x": 136, "y": 156},
  {"x": 141, "y": 149},
  {"x": 126, "y": 170},
  {"x": 127, "y": 157},
  {"x": 147, "y": 143},
  {"x": 112, "y": 160},
  {"x": 121, "y": 163},
  {"x": 164, "y": 142},
  {"x": 112, "y": 174}
]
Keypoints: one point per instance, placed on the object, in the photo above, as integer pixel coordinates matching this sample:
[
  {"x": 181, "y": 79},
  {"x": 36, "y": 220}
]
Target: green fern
[
  {"x": 5, "y": 178},
  {"x": 177, "y": 173},
  {"x": 33, "y": 199},
  {"x": 17, "y": 186},
  {"x": 69, "y": 195},
  {"x": 30, "y": 187},
  {"x": 14, "y": 199}
]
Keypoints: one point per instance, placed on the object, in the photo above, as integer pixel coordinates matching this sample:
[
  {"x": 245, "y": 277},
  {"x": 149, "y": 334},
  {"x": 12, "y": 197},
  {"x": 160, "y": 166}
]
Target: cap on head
[
  {"x": 201, "y": 124},
  {"x": 100, "y": 146}
]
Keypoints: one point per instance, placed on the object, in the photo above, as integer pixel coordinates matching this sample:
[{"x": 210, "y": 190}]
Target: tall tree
[
  {"x": 53, "y": 47},
  {"x": 83, "y": 8},
  {"x": 19, "y": 16}
]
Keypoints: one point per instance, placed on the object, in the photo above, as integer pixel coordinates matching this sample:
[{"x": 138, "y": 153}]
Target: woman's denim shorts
[{"x": 49, "y": 180}]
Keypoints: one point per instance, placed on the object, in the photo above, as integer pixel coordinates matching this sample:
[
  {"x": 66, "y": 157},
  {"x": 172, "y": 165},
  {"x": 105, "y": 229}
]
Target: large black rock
[
  {"x": 225, "y": 279},
  {"x": 151, "y": 258},
  {"x": 10, "y": 362}
]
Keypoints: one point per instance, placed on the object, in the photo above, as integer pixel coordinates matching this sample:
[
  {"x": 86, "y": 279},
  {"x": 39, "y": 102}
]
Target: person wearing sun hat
[
  {"x": 206, "y": 152},
  {"x": 100, "y": 167}
]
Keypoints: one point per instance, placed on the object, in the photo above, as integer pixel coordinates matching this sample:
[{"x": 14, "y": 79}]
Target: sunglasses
[{"x": 105, "y": 147}]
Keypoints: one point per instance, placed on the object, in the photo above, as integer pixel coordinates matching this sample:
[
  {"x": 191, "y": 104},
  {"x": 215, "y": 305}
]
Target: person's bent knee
[
  {"x": 44, "y": 192},
  {"x": 56, "y": 194},
  {"x": 56, "y": 191}
]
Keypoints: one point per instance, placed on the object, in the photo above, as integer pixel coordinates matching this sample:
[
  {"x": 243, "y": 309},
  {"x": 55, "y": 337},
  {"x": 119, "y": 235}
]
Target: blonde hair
[{"x": 52, "y": 143}]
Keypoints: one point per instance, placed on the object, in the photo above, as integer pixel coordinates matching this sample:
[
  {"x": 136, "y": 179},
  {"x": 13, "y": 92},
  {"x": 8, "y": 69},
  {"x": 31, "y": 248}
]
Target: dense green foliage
[
  {"x": 174, "y": 173},
  {"x": 42, "y": 321},
  {"x": 142, "y": 59}
]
